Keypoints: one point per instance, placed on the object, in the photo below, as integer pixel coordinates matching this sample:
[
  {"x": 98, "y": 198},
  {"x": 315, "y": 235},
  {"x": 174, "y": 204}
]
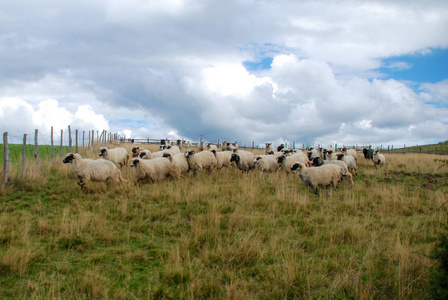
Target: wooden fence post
[
  {"x": 62, "y": 135},
  {"x": 52, "y": 146},
  {"x": 24, "y": 155},
  {"x": 93, "y": 138},
  {"x": 5, "y": 156},
  {"x": 69, "y": 139},
  {"x": 76, "y": 140},
  {"x": 36, "y": 147},
  {"x": 83, "y": 136}
]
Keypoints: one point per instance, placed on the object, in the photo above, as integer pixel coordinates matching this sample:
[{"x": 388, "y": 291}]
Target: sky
[{"x": 308, "y": 72}]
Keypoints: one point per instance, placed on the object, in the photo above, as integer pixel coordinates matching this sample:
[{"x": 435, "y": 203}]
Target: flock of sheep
[{"x": 315, "y": 167}]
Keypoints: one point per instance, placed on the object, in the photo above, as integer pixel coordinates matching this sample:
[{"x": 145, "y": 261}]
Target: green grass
[{"x": 224, "y": 235}]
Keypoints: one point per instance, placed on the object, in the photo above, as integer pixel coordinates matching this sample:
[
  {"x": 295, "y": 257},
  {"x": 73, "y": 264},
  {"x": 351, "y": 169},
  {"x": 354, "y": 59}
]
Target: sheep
[
  {"x": 244, "y": 160},
  {"x": 378, "y": 159},
  {"x": 266, "y": 163},
  {"x": 153, "y": 170},
  {"x": 118, "y": 156},
  {"x": 350, "y": 152},
  {"x": 275, "y": 153},
  {"x": 349, "y": 160},
  {"x": 330, "y": 154},
  {"x": 226, "y": 146},
  {"x": 87, "y": 169},
  {"x": 312, "y": 153},
  {"x": 145, "y": 154},
  {"x": 326, "y": 175},
  {"x": 368, "y": 153},
  {"x": 179, "y": 162},
  {"x": 198, "y": 161},
  {"x": 136, "y": 151},
  {"x": 222, "y": 158},
  {"x": 173, "y": 149},
  {"x": 268, "y": 150},
  {"x": 212, "y": 147},
  {"x": 317, "y": 162},
  {"x": 150, "y": 155},
  {"x": 286, "y": 162},
  {"x": 201, "y": 146}
]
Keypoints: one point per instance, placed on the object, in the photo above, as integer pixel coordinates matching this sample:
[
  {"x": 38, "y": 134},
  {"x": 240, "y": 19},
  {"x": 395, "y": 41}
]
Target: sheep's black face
[
  {"x": 167, "y": 155},
  {"x": 189, "y": 153},
  {"x": 134, "y": 150},
  {"x": 317, "y": 161},
  {"x": 296, "y": 167},
  {"x": 102, "y": 152},
  {"x": 134, "y": 163},
  {"x": 280, "y": 159},
  {"x": 68, "y": 159},
  {"x": 235, "y": 157},
  {"x": 257, "y": 159},
  {"x": 340, "y": 156}
]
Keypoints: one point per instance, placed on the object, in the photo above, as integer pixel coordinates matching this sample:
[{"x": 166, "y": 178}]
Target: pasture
[{"x": 223, "y": 235}]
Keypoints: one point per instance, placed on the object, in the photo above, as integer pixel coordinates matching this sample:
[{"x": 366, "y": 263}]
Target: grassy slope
[{"x": 222, "y": 236}]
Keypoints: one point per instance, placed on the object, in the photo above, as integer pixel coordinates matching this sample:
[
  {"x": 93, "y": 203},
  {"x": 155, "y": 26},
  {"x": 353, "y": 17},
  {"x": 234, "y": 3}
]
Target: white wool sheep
[
  {"x": 378, "y": 159},
  {"x": 326, "y": 175},
  {"x": 286, "y": 162},
  {"x": 87, "y": 169},
  {"x": 179, "y": 162},
  {"x": 222, "y": 158},
  {"x": 172, "y": 149},
  {"x": 266, "y": 163},
  {"x": 212, "y": 147},
  {"x": 118, "y": 156},
  {"x": 317, "y": 162},
  {"x": 270, "y": 150},
  {"x": 201, "y": 146},
  {"x": 136, "y": 151},
  {"x": 350, "y": 161},
  {"x": 204, "y": 160},
  {"x": 312, "y": 153},
  {"x": 226, "y": 146},
  {"x": 350, "y": 152},
  {"x": 244, "y": 160},
  {"x": 150, "y": 155},
  {"x": 153, "y": 170}
]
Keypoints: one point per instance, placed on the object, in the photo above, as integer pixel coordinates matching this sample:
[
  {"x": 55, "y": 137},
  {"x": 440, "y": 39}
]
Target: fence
[{"x": 14, "y": 151}]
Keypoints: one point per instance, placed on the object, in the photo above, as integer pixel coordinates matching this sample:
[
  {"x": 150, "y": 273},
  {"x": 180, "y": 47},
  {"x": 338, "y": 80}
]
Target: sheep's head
[
  {"x": 189, "y": 153},
  {"x": 297, "y": 167},
  {"x": 270, "y": 152},
  {"x": 103, "y": 151},
  {"x": 235, "y": 157},
  {"x": 135, "y": 162},
  {"x": 68, "y": 159},
  {"x": 340, "y": 156},
  {"x": 317, "y": 161},
  {"x": 144, "y": 154},
  {"x": 257, "y": 158},
  {"x": 281, "y": 158},
  {"x": 135, "y": 149}
]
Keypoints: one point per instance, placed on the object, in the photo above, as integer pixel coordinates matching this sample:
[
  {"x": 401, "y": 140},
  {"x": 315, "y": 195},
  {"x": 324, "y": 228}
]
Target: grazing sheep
[
  {"x": 153, "y": 170},
  {"x": 198, "y": 161},
  {"x": 378, "y": 159},
  {"x": 270, "y": 150},
  {"x": 244, "y": 160},
  {"x": 179, "y": 162},
  {"x": 317, "y": 162},
  {"x": 150, "y": 155},
  {"x": 212, "y": 147},
  {"x": 201, "y": 146},
  {"x": 118, "y": 156},
  {"x": 350, "y": 152},
  {"x": 368, "y": 153},
  {"x": 350, "y": 161},
  {"x": 87, "y": 169},
  {"x": 136, "y": 151},
  {"x": 326, "y": 175},
  {"x": 222, "y": 158},
  {"x": 266, "y": 163},
  {"x": 286, "y": 162}
]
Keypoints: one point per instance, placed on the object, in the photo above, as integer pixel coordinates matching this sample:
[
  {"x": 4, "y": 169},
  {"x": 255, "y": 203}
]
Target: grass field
[{"x": 224, "y": 235}]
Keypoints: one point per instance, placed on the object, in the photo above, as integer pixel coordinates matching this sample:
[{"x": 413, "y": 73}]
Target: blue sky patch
[
  {"x": 431, "y": 67},
  {"x": 264, "y": 64}
]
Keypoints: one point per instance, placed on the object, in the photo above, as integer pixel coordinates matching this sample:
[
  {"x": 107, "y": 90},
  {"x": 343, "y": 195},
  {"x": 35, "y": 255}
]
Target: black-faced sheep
[
  {"x": 87, "y": 169},
  {"x": 244, "y": 160},
  {"x": 317, "y": 162},
  {"x": 368, "y": 153},
  {"x": 326, "y": 175},
  {"x": 179, "y": 162},
  {"x": 118, "y": 156},
  {"x": 266, "y": 163},
  {"x": 210, "y": 146},
  {"x": 286, "y": 162},
  {"x": 350, "y": 161},
  {"x": 153, "y": 170},
  {"x": 378, "y": 159},
  {"x": 350, "y": 152},
  {"x": 172, "y": 149},
  {"x": 222, "y": 158},
  {"x": 204, "y": 160}
]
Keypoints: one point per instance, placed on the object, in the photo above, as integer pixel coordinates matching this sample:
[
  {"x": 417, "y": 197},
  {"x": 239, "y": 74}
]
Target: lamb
[
  {"x": 378, "y": 159},
  {"x": 198, "y": 161},
  {"x": 266, "y": 163},
  {"x": 350, "y": 152},
  {"x": 286, "y": 162},
  {"x": 350, "y": 161},
  {"x": 153, "y": 170},
  {"x": 368, "y": 153},
  {"x": 244, "y": 160},
  {"x": 87, "y": 169},
  {"x": 326, "y": 175},
  {"x": 222, "y": 158},
  {"x": 317, "y": 162},
  {"x": 179, "y": 162},
  {"x": 118, "y": 156}
]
